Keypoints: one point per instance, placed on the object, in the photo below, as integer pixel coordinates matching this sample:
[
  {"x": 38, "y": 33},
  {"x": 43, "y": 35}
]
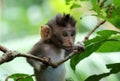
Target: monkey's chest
[
  {"x": 53, "y": 54},
  {"x": 53, "y": 74}
]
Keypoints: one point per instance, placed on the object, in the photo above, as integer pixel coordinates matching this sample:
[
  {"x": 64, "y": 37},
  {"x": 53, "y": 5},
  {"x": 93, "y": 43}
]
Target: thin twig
[
  {"x": 111, "y": 7},
  {"x": 89, "y": 33},
  {"x": 102, "y": 3},
  {"x": 98, "y": 1},
  {"x": 65, "y": 59}
]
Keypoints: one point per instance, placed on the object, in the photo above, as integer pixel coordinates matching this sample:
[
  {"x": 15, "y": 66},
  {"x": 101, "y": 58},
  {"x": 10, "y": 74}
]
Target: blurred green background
[{"x": 20, "y": 23}]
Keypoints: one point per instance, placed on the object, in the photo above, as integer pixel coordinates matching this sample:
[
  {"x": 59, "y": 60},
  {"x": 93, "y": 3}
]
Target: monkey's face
[
  {"x": 63, "y": 31},
  {"x": 67, "y": 37}
]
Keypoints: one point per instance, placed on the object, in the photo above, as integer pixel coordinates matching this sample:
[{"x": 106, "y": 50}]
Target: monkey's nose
[{"x": 68, "y": 44}]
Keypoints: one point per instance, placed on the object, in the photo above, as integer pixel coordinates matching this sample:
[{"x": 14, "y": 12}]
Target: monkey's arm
[{"x": 37, "y": 50}]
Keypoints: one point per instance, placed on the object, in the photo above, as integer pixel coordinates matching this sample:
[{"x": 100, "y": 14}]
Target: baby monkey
[{"x": 57, "y": 36}]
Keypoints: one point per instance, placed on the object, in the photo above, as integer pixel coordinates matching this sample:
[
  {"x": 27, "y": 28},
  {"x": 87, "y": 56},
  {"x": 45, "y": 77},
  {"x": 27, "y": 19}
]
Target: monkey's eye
[
  {"x": 72, "y": 33},
  {"x": 65, "y": 34}
]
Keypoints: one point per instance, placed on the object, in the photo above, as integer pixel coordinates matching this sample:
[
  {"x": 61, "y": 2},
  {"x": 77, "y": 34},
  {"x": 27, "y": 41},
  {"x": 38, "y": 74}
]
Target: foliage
[
  {"x": 75, "y": 5},
  {"x": 106, "y": 40},
  {"x": 20, "y": 77},
  {"x": 94, "y": 44}
]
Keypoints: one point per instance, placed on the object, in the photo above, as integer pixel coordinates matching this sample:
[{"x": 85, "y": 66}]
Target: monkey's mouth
[{"x": 68, "y": 47}]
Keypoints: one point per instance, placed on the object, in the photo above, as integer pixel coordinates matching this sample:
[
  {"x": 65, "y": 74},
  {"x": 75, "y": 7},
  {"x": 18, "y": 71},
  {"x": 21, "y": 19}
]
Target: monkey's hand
[
  {"x": 47, "y": 63},
  {"x": 79, "y": 47},
  {"x": 47, "y": 60}
]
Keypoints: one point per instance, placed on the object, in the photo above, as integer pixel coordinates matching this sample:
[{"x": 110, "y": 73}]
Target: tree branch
[
  {"x": 10, "y": 55},
  {"x": 3, "y": 49}
]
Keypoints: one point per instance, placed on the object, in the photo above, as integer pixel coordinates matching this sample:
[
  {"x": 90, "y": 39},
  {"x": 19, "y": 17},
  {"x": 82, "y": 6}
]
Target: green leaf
[
  {"x": 110, "y": 46},
  {"x": 116, "y": 2},
  {"x": 67, "y": 2},
  {"x": 84, "y": 0},
  {"x": 115, "y": 17},
  {"x": 115, "y": 68},
  {"x": 21, "y": 77},
  {"x": 92, "y": 45},
  {"x": 107, "y": 33},
  {"x": 115, "y": 21},
  {"x": 97, "y": 77},
  {"x": 101, "y": 35},
  {"x": 75, "y": 5}
]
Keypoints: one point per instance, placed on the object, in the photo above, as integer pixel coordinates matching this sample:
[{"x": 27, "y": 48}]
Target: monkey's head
[{"x": 60, "y": 31}]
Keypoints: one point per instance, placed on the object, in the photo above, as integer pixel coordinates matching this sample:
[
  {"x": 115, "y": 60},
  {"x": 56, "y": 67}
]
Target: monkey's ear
[{"x": 45, "y": 32}]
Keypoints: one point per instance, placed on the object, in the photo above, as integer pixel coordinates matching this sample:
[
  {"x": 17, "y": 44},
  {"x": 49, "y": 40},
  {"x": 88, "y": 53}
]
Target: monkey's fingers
[
  {"x": 47, "y": 60},
  {"x": 79, "y": 47}
]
